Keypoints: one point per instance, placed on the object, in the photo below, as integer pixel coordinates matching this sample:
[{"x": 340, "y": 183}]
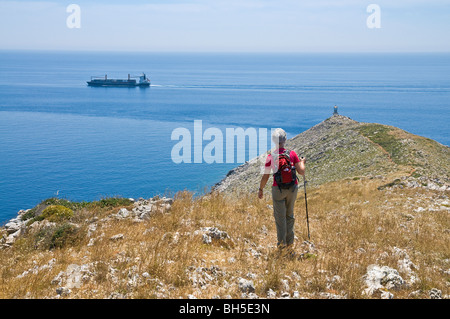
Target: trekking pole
[{"x": 306, "y": 203}]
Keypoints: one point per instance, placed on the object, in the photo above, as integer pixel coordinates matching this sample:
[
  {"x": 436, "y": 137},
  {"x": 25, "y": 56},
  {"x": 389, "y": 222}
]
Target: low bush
[
  {"x": 64, "y": 235},
  {"x": 56, "y": 213}
]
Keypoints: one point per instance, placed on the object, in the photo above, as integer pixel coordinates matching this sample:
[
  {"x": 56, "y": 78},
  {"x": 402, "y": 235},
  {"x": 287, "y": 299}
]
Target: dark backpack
[{"x": 285, "y": 176}]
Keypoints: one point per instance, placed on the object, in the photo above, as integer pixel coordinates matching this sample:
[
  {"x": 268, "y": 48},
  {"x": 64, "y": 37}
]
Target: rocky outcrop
[
  {"x": 378, "y": 278},
  {"x": 142, "y": 210},
  {"x": 340, "y": 148},
  {"x": 13, "y": 229}
]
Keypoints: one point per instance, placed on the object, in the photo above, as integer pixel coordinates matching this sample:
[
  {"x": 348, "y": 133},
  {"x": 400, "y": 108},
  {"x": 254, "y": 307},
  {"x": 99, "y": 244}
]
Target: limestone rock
[
  {"x": 383, "y": 277},
  {"x": 246, "y": 286}
]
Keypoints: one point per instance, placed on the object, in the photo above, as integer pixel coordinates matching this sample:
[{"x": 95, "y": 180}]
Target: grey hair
[{"x": 278, "y": 136}]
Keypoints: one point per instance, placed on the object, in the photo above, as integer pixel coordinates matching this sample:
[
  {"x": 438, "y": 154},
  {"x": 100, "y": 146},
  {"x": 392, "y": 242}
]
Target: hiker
[{"x": 284, "y": 192}]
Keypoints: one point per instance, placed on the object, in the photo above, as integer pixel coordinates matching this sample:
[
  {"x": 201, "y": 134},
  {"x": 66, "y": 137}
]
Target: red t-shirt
[{"x": 270, "y": 165}]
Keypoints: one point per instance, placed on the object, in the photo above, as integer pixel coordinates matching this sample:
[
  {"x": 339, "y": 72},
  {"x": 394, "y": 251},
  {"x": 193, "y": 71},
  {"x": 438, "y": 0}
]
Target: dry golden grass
[{"x": 352, "y": 223}]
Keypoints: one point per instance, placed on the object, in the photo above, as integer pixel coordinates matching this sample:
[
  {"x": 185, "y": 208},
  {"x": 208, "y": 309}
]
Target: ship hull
[{"x": 110, "y": 84}]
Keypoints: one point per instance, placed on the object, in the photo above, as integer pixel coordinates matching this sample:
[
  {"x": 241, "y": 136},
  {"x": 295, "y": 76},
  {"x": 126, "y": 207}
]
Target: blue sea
[{"x": 59, "y": 137}]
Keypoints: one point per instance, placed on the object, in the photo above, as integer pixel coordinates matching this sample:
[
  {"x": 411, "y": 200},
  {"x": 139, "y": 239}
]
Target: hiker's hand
[
  {"x": 303, "y": 159},
  {"x": 260, "y": 193}
]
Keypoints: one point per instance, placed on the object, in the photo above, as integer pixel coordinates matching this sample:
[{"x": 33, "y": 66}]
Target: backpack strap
[{"x": 287, "y": 153}]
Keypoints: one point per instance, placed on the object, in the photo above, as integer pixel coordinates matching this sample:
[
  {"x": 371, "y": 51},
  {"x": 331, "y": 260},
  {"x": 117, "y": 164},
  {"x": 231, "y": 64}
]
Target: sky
[{"x": 227, "y": 26}]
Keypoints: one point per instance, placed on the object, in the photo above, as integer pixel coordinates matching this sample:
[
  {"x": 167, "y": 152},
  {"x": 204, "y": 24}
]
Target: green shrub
[
  {"x": 56, "y": 213},
  {"x": 42, "y": 239},
  {"x": 35, "y": 213},
  {"x": 65, "y": 203},
  {"x": 64, "y": 235},
  {"x": 28, "y": 215},
  {"x": 111, "y": 202},
  {"x": 57, "y": 236}
]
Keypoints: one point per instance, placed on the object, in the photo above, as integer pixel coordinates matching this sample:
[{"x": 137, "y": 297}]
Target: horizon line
[{"x": 218, "y": 52}]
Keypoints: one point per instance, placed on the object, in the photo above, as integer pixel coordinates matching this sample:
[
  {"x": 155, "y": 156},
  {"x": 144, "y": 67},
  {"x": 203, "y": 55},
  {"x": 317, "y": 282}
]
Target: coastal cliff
[{"x": 379, "y": 206}]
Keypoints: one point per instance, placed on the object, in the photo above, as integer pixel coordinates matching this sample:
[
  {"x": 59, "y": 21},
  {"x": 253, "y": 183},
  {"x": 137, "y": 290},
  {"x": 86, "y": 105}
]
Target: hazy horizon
[
  {"x": 219, "y": 26},
  {"x": 220, "y": 52}
]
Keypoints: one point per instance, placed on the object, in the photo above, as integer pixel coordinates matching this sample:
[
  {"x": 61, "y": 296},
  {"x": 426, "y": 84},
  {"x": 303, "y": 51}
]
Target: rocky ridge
[{"x": 340, "y": 148}]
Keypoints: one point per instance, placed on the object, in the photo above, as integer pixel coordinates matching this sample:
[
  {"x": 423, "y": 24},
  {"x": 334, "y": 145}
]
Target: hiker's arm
[
  {"x": 300, "y": 166},
  {"x": 263, "y": 183}
]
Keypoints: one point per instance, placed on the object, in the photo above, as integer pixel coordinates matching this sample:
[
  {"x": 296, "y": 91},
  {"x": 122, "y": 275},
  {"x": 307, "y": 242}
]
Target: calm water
[{"x": 60, "y": 137}]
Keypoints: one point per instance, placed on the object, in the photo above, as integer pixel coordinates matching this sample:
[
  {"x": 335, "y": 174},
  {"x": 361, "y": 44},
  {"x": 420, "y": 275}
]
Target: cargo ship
[{"x": 130, "y": 82}]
